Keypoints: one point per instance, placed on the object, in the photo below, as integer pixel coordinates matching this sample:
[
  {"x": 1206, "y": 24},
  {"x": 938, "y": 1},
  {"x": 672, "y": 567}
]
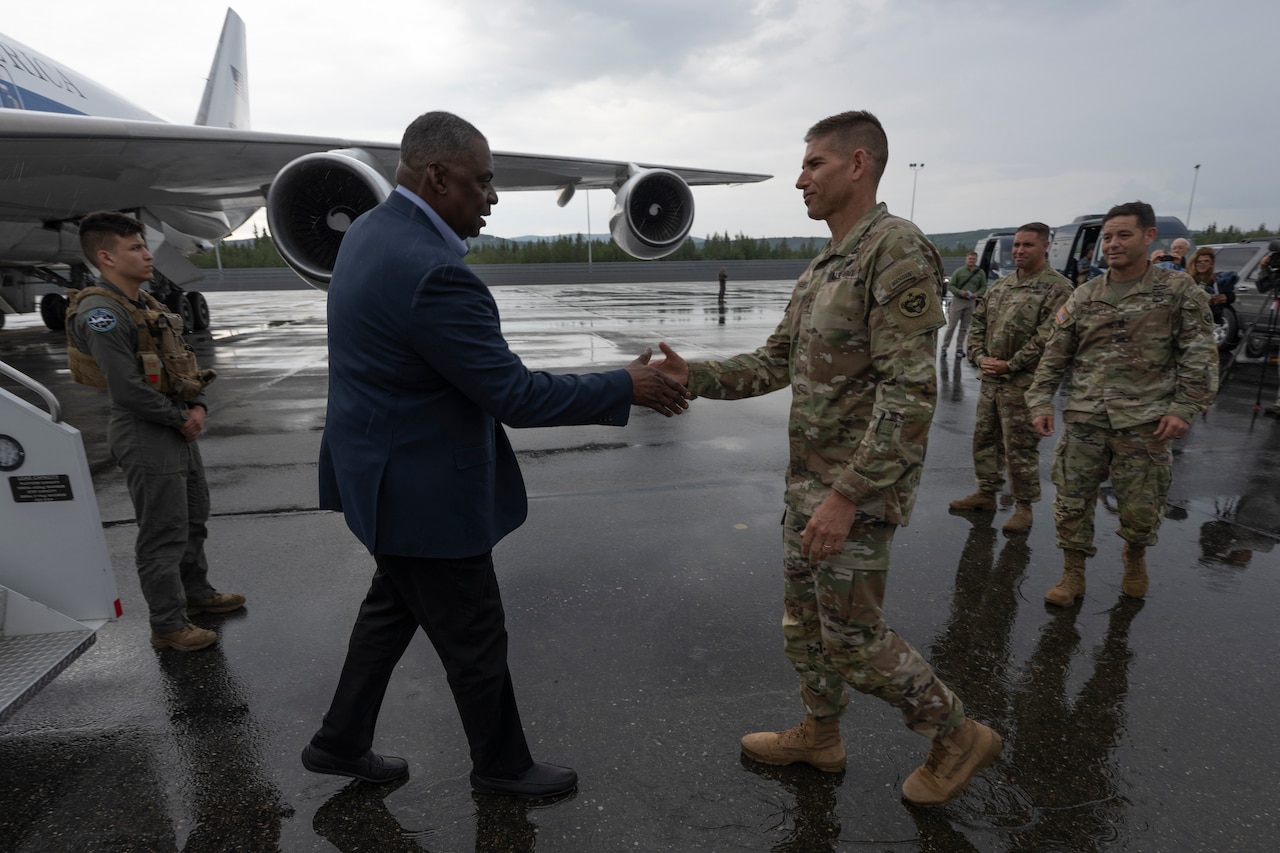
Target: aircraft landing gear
[
  {"x": 53, "y": 310},
  {"x": 199, "y": 311}
]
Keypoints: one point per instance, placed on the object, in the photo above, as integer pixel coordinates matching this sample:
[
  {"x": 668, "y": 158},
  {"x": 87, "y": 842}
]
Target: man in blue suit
[{"x": 414, "y": 454}]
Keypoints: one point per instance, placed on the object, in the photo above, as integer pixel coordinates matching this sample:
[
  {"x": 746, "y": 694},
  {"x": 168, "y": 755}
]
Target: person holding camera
[{"x": 1269, "y": 283}]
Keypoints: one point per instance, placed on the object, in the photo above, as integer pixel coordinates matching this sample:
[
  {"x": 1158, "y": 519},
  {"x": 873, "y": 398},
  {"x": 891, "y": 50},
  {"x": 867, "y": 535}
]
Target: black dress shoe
[
  {"x": 369, "y": 767},
  {"x": 540, "y": 780}
]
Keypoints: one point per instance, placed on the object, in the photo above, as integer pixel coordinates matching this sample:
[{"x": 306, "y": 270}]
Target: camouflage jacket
[
  {"x": 1133, "y": 359},
  {"x": 857, "y": 347},
  {"x": 1014, "y": 322}
]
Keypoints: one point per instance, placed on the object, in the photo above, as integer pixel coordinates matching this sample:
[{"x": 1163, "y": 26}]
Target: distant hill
[
  {"x": 488, "y": 239},
  {"x": 947, "y": 242}
]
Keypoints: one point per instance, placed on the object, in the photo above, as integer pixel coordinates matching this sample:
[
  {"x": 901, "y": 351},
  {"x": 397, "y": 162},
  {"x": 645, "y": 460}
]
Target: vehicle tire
[
  {"x": 53, "y": 310},
  {"x": 176, "y": 302},
  {"x": 1226, "y": 332},
  {"x": 1256, "y": 346},
  {"x": 199, "y": 311}
]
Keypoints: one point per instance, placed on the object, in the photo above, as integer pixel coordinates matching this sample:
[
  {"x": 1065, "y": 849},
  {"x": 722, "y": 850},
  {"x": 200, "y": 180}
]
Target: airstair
[{"x": 56, "y": 583}]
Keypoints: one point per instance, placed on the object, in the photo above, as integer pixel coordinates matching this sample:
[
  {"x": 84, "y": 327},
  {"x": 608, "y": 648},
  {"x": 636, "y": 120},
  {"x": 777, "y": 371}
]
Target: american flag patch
[{"x": 1062, "y": 315}]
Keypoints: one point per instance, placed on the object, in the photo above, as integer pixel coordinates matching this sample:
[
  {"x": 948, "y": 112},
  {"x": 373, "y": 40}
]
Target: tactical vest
[{"x": 168, "y": 364}]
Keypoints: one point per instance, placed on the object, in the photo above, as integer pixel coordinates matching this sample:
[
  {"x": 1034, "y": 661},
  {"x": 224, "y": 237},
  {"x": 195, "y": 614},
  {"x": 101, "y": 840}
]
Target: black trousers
[{"x": 458, "y": 606}]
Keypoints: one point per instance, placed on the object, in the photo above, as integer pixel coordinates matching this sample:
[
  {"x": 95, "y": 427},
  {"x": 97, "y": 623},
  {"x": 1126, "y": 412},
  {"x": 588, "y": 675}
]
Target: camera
[{"x": 1269, "y": 273}]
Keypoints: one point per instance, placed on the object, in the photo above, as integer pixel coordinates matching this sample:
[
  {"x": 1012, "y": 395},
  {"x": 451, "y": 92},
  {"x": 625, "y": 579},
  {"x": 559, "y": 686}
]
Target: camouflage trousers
[
  {"x": 834, "y": 633},
  {"x": 1140, "y": 468},
  {"x": 1002, "y": 434}
]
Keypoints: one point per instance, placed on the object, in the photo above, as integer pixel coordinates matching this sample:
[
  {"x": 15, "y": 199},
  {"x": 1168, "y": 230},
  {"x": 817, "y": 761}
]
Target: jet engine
[
  {"x": 313, "y": 201},
  {"x": 652, "y": 213}
]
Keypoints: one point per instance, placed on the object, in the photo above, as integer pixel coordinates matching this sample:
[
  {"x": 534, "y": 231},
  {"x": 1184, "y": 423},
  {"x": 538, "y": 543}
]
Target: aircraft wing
[{"x": 55, "y": 166}]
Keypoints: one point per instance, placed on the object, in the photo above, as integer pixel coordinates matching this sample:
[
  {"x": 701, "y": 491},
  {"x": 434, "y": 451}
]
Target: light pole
[
  {"x": 1193, "y": 195},
  {"x": 915, "y": 176}
]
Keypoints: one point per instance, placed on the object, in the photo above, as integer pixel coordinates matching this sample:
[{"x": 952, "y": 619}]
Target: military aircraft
[{"x": 69, "y": 146}]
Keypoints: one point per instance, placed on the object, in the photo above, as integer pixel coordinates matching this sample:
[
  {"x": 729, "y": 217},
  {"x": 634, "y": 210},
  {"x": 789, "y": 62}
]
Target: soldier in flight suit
[
  {"x": 856, "y": 349},
  {"x": 1010, "y": 328},
  {"x": 1138, "y": 342},
  {"x": 152, "y": 432}
]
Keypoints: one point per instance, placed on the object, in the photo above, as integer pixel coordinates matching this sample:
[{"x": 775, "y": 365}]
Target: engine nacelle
[
  {"x": 652, "y": 213},
  {"x": 311, "y": 204}
]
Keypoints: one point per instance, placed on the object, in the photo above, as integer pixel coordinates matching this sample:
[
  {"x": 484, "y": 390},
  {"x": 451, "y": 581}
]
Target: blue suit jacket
[{"x": 420, "y": 382}]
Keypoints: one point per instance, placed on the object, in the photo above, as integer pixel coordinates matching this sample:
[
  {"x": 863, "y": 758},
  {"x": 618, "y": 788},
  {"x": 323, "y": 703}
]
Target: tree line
[{"x": 261, "y": 252}]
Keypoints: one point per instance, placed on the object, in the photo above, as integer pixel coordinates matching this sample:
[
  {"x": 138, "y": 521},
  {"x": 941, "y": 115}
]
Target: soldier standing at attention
[
  {"x": 856, "y": 349},
  {"x": 1138, "y": 342},
  {"x": 966, "y": 286},
  {"x": 120, "y": 338},
  {"x": 1010, "y": 328}
]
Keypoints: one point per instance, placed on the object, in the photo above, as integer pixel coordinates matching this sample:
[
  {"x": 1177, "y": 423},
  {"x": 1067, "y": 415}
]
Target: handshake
[{"x": 662, "y": 386}]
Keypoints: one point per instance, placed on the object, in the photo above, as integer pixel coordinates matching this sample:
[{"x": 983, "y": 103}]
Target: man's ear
[
  {"x": 104, "y": 259},
  {"x": 435, "y": 174},
  {"x": 859, "y": 162}
]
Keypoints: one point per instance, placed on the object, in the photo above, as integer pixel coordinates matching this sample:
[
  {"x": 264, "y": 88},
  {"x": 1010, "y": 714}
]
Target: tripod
[{"x": 1271, "y": 307}]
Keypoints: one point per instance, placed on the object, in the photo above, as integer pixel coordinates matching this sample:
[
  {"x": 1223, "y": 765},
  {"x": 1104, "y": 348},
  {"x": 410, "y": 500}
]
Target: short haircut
[
  {"x": 437, "y": 137},
  {"x": 971, "y": 254},
  {"x": 1140, "y": 209},
  {"x": 853, "y": 130},
  {"x": 99, "y": 229},
  {"x": 1037, "y": 228}
]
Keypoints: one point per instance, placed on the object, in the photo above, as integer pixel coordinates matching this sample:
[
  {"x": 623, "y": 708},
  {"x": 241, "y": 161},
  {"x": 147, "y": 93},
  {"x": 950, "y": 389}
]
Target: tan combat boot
[
  {"x": 979, "y": 500},
  {"x": 1134, "y": 583},
  {"x": 1020, "y": 521},
  {"x": 953, "y": 760},
  {"x": 188, "y": 638},
  {"x": 815, "y": 742},
  {"x": 1071, "y": 586}
]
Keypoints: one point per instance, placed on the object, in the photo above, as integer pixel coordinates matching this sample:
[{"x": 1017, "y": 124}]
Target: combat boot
[
  {"x": 1071, "y": 586},
  {"x": 814, "y": 741},
  {"x": 188, "y": 638},
  {"x": 1020, "y": 521},
  {"x": 953, "y": 760},
  {"x": 1134, "y": 583},
  {"x": 979, "y": 500}
]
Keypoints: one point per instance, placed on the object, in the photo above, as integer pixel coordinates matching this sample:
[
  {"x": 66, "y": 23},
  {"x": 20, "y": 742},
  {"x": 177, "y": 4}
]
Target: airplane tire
[
  {"x": 177, "y": 303},
  {"x": 199, "y": 311},
  {"x": 53, "y": 310}
]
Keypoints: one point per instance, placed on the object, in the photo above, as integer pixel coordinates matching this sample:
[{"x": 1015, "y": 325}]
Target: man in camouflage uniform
[
  {"x": 967, "y": 285},
  {"x": 1010, "y": 328},
  {"x": 1138, "y": 343},
  {"x": 152, "y": 437},
  {"x": 856, "y": 348}
]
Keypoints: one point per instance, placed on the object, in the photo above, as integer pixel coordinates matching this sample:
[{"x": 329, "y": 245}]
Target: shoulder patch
[
  {"x": 1062, "y": 315},
  {"x": 913, "y": 302},
  {"x": 100, "y": 320}
]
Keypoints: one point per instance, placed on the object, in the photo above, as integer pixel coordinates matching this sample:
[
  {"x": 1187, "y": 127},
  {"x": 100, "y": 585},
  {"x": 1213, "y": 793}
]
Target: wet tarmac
[{"x": 643, "y": 600}]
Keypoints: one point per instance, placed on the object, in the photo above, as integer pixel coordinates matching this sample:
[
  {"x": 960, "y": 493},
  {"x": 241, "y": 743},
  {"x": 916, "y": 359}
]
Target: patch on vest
[
  {"x": 914, "y": 302},
  {"x": 100, "y": 320}
]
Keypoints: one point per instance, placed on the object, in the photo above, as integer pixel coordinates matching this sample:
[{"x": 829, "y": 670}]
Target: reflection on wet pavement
[{"x": 643, "y": 599}]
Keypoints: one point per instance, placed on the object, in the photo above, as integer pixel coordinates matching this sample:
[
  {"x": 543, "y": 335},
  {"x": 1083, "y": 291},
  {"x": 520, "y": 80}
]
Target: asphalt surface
[{"x": 643, "y": 600}]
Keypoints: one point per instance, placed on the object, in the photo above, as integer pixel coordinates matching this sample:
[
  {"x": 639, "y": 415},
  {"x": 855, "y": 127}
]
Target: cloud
[{"x": 1019, "y": 110}]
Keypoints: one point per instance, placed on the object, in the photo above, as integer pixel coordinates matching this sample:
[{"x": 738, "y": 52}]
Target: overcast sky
[{"x": 1019, "y": 110}]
